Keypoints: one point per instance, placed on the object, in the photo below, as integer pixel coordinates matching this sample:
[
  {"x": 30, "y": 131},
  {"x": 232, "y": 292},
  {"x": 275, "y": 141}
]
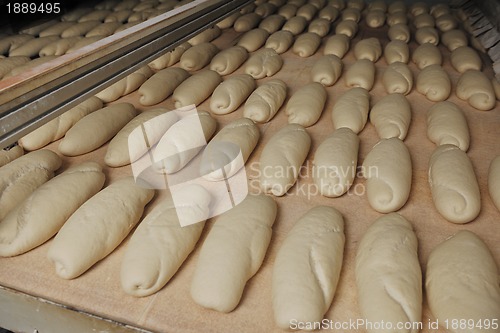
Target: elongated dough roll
[
  {"x": 9, "y": 155},
  {"x": 79, "y": 29},
  {"x": 9, "y": 63},
  {"x": 59, "y": 47},
  {"x": 95, "y": 15},
  {"x": 230, "y": 94},
  {"x": 319, "y": 26},
  {"x": 265, "y": 101},
  {"x": 360, "y": 74},
  {"x": 196, "y": 88},
  {"x": 453, "y": 183},
  {"x": 280, "y": 41},
  {"x": 399, "y": 31},
  {"x": 282, "y": 158},
  {"x": 423, "y": 20},
  {"x": 446, "y": 124},
  {"x": 272, "y": 23},
  {"x": 253, "y": 40},
  {"x": 427, "y": 54},
  {"x": 161, "y": 85},
  {"x": 20, "y": 177},
  {"x": 263, "y": 63},
  {"x": 104, "y": 29},
  {"x": 347, "y": 27},
  {"x": 98, "y": 227},
  {"x": 246, "y": 22},
  {"x": 12, "y": 42},
  {"x": 351, "y": 14},
  {"x": 396, "y": 18},
  {"x": 288, "y": 10},
  {"x": 95, "y": 129},
  {"x": 375, "y": 18},
  {"x": 126, "y": 85},
  {"x": 494, "y": 180},
  {"x": 159, "y": 245},
  {"x": 474, "y": 87},
  {"x": 327, "y": 70},
  {"x": 43, "y": 213},
  {"x": 206, "y": 36},
  {"x": 388, "y": 274},
  {"x": 454, "y": 39},
  {"x": 295, "y": 25},
  {"x": 56, "y": 29},
  {"x": 369, "y": 49},
  {"x": 335, "y": 162},
  {"x": 228, "y": 60},
  {"x": 329, "y": 13},
  {"x": 397, "y": 78},
  {"x": 169, "y": 58},
  {"x": 434, "y": 83},
  {"x": 391, "y": 116},
  {"x": 427, "y": 35},
  {"x": 75, "y": 14},
  {"x": 446, "y": 22},
  {"x": 419, "y": 8},
  {"x": 228, "y": 21},
  {"x": 307, "y": 11},
  {"x": 32, "y": 47},
  {"x": 265, "y": 9},
  {"x": 462, "y": 268},
  {"x": 306, "y": 104},
  {"x": 28, "y": 66},
  {"x": 306, "y": 44},
  {"x": 307, "y": 267},
  {"x": 57, "y": 128},
  {"x": 197, "y": 57},
  {"x": 233, "y": 252},
  {"x": 351, "y": 110},
  {"x": 119, "y": 16},
  {"x": 464, "y": 58},
  {"x": 396, "y": 51},
  {"x": 229, "y": 149},
  {"x": 337, "y": 45}
]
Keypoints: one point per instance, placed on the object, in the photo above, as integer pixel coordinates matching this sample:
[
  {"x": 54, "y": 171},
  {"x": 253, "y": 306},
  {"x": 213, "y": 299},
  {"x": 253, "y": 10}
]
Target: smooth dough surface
[
  {"x": 32, "y": 47},
  {"x": 104, "y": 29},
  {"x": 396, "y": 51},
  {"x": 454, "y": 39},
  {"x": 375, "y": 18},
  {"x": 253, "y": 40},
  {"x": 320, "y": 27},
  {"x": 307, "y": 11},
  {"x": 453, "y": 184},
  {"x": 288, "y": 10},
  {"x": 295, "y": 25},
  {"x": 228, "y": 21},
  {"x": 351, "y": 14},
  {"x": 169, "y": 58},
  {"x": 307, "y": 267},
  {"x": 446, "y": 22},
  {"x": 423, "y": 20},
  {"x": 446, "y": 124},
  {"x": 329, "y": 12},
  {"x": 272, "y": 23},
  {"x": 246, "y": 22},
  {"x": 228, "y": 60},
  {"x": 427, "y": 35},
  {"x": 474, "y": 87},
  {"x": 306, "y": 44},
  {"x": 9, "y": 63},
  {"x": 396, "y": 18},
  {"x": 337, "y": 45},
  {"x": 280, "y": 41},
  {"x": 205, "y": 36},
  {"x": 263, "y": 63},
  {"x": 464, "y": 58},
  {"x": 197, "y": 57},
  {"x": 125, "y": 86},
  {"x": 9, "y": 155},
  {"x": 494, "y": 181},
  {"x": 434, "y": 83},
  {"x": 369, "y": 49},
  {"x": 79, "y": 29},
  {"x": 196, "y": 88},
  {"x": 388, "y": 274},
  {"x": 397, "y": 78},
  {"x": 231, "y": 93},
  {"x": 56, "y": 29},
  {"x": 327, "y": 70},
  {"x": 59, "y": 47},
  {"x": 391, "y": 116},
  {"x": 233, "y": 252},
  {"x": 11, "y": 42},
  {"x": 351, "y": 110},
  {"x": 265, "y": 101},
  {"x": 399, "y": 31},
  {"x": 347, "y": 27},
  {"x": 360, "y": 74},
  {"x": 427, "y": 54},
  {"x": 161, "y": 85},
  {"x": 306, "y": 105}
]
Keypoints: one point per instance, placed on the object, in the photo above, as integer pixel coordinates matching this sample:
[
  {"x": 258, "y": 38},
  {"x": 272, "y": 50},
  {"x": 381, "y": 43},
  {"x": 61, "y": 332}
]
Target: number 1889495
[{"x": 33, "y": 8}]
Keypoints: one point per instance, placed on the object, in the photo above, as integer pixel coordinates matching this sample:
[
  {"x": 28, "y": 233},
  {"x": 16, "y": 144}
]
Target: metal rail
[{"x": 37, "y": 96}]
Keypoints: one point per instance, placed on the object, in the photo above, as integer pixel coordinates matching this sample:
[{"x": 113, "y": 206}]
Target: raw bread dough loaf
[
  {"x": 464, "y": 58},
  {"x": 391, "y": 116},
  {"x": 282, "y": 158},
  {"x": 295, "y": 25},
  {"x": 329, "y": 12},
  {"x": 375, "y": 18},
  {"x": 396, "y": 6},
  {"x": 95, "y": 15},
  {"x": 307, "y": 11},
  {"x": 454, "y": 39},
  {"x": 57, "y": 128},
  {"x": 351, "y": 110},
  {"x": 348, "y": 28},
  {"x": 427, "y": 54},
  {"x": 474, "y": 87},
  {"x": 98, "y": 227},
  {"x": 399, "y": 31},
  {"x": 43, "y": 213},
  {"x": 159, "y": 245},
  {"x": 59, "y": 47},
  {"x": 230, "y": 94},
  {"x": 388, "y": 275},
  {"x": 397, "y": 78},
  {"x": 19, "y": 178},
  {"x": 79, "y": 29},
  {"x": 265, "y": 9},
  {"x": 206, "y": 36},
  {"x": 28, "y": 66},
  {"x": 339, "y": 4},
  {"x": 462, "y": 269},
  {"x": 446, "y": 22},
  {"x": 494, "y": 181},
  {"x": 125, "y": 86},
  {"x": 12, "y": 42},
  {"x": 396, "y": 51},
  {"x": 397, "y": 18},
  {"x": 9, "y": 63},
  {"x": 423, "y": 20},
  {"x": 229, "y": 149},
  {"x": 119, "y": 16},
  {"x": 337, "y": 45},
  {"x": 427, "y": 35},
  {"x": 197, "y": 88},
  {"x": 307, "y": 267},
  {"x": 335, "y": 162},
  {"x": 32, "y": 47},
  {"x": 84, "y": 41},
  {"x": 233, "y": 252},
  {"x": 439, "y": 9},
  {"x": 387, "y": 168},
  {"x": 446, "y": 124},
  {"x": 377, "y": 5},
  {"x": 253, "y": 39},
  {"x": 95, "y": 129},
  {"x": 123, "y": 150},
  {"x": 351, "y": 14},
  {"x": 287, "y": 11},
  {"x": 320, "y": 27},
  {"x": 369, "y": 49},
  {"x": 56, "y": 29},
  {"x": 75, "y": 14},
  {"x": 228, "y": 21},
  {"x": 264, "y": 62},
  {"x": 126, "y": 5},
  {"x": 418, "y": 8},
  {"x": 9, "y": 155},
  {"x": 246, "y": 22},
  {"x": 169, "y": 58},
  {"x": 35, "y": 28},
  {"x": 356, "y": 4},
  {"x": 434, "y": 83},
  {"x": 227, "y": 61},
  {"x": 360, "y": 74},
  {"x": 272, "y": 23},
  {"x": 280, "y": 41},
  {"x": 454, "y": 186},
  {"x": 306, "y": 104},
  {"x": 327, "y": 70},
  {"x": 306, "y": 44},
  {"x": 197, "y": 57},
  {"x": 104, "y": 29},
  {"x": 161, "y": 85},
  {"x": 265, "y": 101}
]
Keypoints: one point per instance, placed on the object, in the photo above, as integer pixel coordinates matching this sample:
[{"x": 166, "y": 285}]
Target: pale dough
[
  {"x": 427, "y": 35},
  {"x": 232, "y": 253},
  {"x": 320, "y": 27},
  {"x": 95, "y": 129},
  {"x": 169, "y": 58},
  {"x": 168, "y": 79},
  {"x": 399, "y": 31},
  {"x": 263, "y": 63},
  {"x": 104, "y": 29},
  {"x": 9, "y": 63},
  {"x": 327, "y": 70},
  {"x": 246, "y": 22},
  {"x": 360, "y": 74},
  {"x": 446, "y": 22},
  {"x": 454, "y": 39},
  {"x": 228, "y": 60},
  {"x": 56, "y": 29},
  {"x": 39, "y": 217},
  {"x": 391, "y": 116},
  {"x": 427, "y": 54},
  {"x": 388, "y": 274},
  {"x": 272, "y": 23},
  {"x": 446, "y": 124},
  {"x": 12, "y": 42},
  {"x": 434, "y": 83},
  {"x": 280, "y": 41},
  {"x": 287, "y": 11},
  {"x": 388, "y": 170},
  {"x": 375, "y": 18},
  {"x": 423, "y": 20},
  {"x": 228, "y": 21},
  {"x": 125, "y": 86},
  {"x": 307, "y": 267},
  {"x": 253, "y": 40},
  {"x": 329, "y": 12},
  {"x": 119, "y": 16},
  {"x": 196, "y": 88},
  {"x": 337, "y": 45},
  {"x": 439, "y": 9},
  {"x": 95, "y": 15},
  {"x": 84, "y": 41},
  {"x": 306, "y": 44},
  {"x": 474, "y": 87},
  {"x": 207, "y": 35},
  {"x": 348, "y": 28},
  {"x": 494, "y": 181},
  {"x": 75, "y": 14},
  {"x": 306, "y": 104},
  {"x": 28, "y": 66},
  {"x": 59, "y": 47},
  {"x": 351, "y": 110},
  {"x": 453, "y": 183},
  {"x": 231, "y": 93},
  {"x": 9, "y": 155},
  {"x": 397, "y": 18},
  {"x": 99, "y": 224},
  {"x": 265, "y": 101},
  {"x": 396, "y": 51},
  {"x": 197, "y": 57},
  {"x": 418, "y": 8},
  {"x": 356, "y": 4},
  {"x": 335, "y": 162},
  {"x": 351, "y": 14},
  {"x": 32, "y": 47},
  {"x": 265, "y": 9},
  {"x": 282, "y": 158},
  {"x": 307, "y": 11},
  {"x": 79, "y": 29},
  {"x": 464, "y": 58},
  {"x": 20, "y": 177},
  {"x": 57, "y": 128},
  {"x": 295, "y": 25},
  {"x": 462, "y": 269},
  {"x": 339, "y": 4},
  {"x": 396, "y": 6},
  {"x": 369, "y": 49}
]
